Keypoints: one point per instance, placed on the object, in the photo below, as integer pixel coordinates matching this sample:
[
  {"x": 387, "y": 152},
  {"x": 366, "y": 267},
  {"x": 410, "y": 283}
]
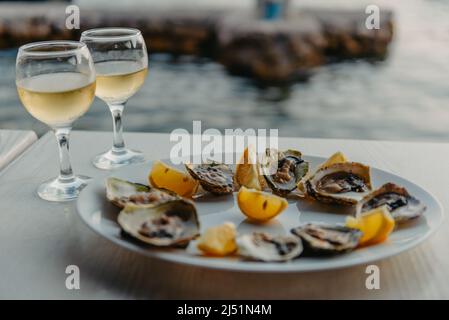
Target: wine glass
[
  {"x": 121, "y": 63},
  {"x": 56, "y": 84}
]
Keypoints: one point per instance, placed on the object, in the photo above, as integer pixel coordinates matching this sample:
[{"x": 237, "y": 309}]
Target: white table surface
[
  {"x": 39, "y": 239},
  {"x": 13, "y": 143}
]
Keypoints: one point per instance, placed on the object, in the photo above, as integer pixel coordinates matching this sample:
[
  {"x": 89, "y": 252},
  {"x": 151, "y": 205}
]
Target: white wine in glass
[
  {"x": 117, "y": 81},
  {"x": 57, "y": 99},
  {"x": 121, "y": 63},
  {"x": 56, "y": 84}
]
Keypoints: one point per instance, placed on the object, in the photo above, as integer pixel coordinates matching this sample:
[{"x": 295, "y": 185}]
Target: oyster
[
  {"x": 326, "y": 239},
  {"x": 283, "y": 170},
  {"x": 342, "y": 183},
  {"x": 264, "y": 247},
  {"x": 121, "y": 192},
  {"x": 337, "y": 157},
  {"x": 217, "y": 178},
  {"x": 172, "y": 223},
  {"x": 400, "y": 203}
]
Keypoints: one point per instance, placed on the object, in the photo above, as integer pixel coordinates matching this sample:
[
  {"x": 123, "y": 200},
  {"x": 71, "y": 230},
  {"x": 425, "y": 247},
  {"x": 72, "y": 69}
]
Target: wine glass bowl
[
  {"x": 121, "y": 63},
  {"x": 56, "y": 84}
]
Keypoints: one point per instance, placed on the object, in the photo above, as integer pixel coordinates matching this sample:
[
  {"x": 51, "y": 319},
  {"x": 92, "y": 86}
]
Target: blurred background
[{"x": 403, "y": 96}]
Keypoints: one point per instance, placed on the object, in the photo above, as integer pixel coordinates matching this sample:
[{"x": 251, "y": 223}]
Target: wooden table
[
  {"x": 13, "y": 143},
  {"x": 39, "y": 239}
]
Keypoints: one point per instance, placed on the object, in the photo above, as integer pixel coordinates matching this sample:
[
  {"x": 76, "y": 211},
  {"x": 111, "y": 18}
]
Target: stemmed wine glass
[
  {"x": 121, "y": 63},
  {"x": 56, "y": 84}
]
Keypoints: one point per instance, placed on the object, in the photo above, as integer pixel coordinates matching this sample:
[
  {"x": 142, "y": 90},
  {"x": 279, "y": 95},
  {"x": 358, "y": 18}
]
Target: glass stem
[
  {"x": 62, "y": 136},
  {"x": 118, "y": 144}
]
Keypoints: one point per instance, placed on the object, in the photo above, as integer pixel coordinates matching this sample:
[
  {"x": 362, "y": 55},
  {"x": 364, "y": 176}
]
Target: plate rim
[{"x": 254, "y": 266}]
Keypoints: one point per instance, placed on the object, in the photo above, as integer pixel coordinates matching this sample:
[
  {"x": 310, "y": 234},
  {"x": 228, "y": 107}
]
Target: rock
[
  {"x": 349, "y": 38},
  {"x": 285, "y": 50},
  {"x": 20, "y": 23},
  {"x": 175, "y": 31},
  {"x": 268, "y": 51}
]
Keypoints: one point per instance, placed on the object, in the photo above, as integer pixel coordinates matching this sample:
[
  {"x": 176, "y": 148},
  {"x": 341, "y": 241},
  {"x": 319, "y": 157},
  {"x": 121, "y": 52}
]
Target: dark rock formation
[
  {"x": 348, "y": 37},
  {"x": 268, "y": 51},
  {"x": 282, "y": 51},
  {"x": 177, "y": 32}
]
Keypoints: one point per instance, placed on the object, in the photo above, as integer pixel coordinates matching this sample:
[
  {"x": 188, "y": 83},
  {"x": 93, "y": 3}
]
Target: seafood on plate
[
  {"x": 159, "y": 215},
  {"x": 337, "y": 157},
  {"x": 402, "y": 206},
  {"x": 214, "y": 177},
  {"x": 269, "y": 248},
  {"x": 327, "y": 239},
  {"x": 340, "y": 183},
  {"x": 173, "y": 223},
  {"x": 121, "y": 192},
  {"x": 283, "y": 170}
]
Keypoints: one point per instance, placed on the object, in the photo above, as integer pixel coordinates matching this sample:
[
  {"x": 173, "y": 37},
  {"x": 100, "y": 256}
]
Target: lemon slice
[
  {"x": 247, "y": 171},
  {"x": 219, "y": 240},
  {"x": 164, "y": 176},
  {"x": 376, "y": 225},
  {"x": 337, "y": 157},
  {"x": 260, "y": 206}
]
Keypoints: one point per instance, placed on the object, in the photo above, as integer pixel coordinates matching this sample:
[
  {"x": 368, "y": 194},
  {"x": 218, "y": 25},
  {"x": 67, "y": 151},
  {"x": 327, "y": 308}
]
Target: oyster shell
[
  {"x": 120, "y": 192},
  {"x": 326, "y": 239},
  {"x": 217, "y": 178},
  {"x": 337, "y": 157},
  {"x": 400, "y": 203},
  {"x": 342, "y": 183},
  {"x": 172, "y": 223},
  {"x": 264, "y": 247},
  {"x": 288, "y": 168}
]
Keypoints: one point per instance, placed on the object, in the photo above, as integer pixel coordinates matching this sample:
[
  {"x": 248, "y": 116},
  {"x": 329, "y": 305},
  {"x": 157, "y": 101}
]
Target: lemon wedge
[
  {"x": 219, "y": 240},
  {"x": 376, "y": 225},
  {"x": 260, "y": 206},
  {"x": 167, "y": 177},
  {"x": 247, "y": 171}
]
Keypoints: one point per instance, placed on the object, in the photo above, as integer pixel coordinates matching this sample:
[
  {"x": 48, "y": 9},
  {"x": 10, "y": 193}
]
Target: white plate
[{"x": 101, "y": 216}]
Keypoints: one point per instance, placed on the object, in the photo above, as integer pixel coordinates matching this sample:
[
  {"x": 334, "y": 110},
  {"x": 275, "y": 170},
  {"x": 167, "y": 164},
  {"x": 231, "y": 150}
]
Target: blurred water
[{"x": 405, "y": 97}]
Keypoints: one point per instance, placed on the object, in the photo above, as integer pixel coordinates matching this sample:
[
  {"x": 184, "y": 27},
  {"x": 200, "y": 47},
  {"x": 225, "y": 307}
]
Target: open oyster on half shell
[
  {"x": 121, "y": 192},
  {"x": 341, "y": 183},
  {"x": 217, "y": 178},
  {"x": 172, "y": 223},
  {"x": 327, "y": 239},
  {"x": 283, "y": 170},
  {"x": 265, "y": 247},
  {"x": 400, "y": 203}
]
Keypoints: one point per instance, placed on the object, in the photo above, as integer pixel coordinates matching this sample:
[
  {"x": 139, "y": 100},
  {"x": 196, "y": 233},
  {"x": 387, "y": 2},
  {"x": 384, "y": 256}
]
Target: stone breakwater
[{"x": 270, "y": 52}]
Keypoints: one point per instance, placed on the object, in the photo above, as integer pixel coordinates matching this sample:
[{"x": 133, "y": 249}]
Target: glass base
[
  {"x": 113, "y": 160},
  {"x": 59, "y": 190}
]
